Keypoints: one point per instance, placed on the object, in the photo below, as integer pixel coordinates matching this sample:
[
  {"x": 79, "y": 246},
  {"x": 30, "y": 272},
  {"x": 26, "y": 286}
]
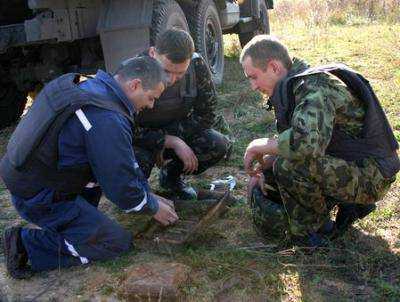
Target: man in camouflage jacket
[
  {"x": 177, "y": 133},
  {"x": 300, "y": 175}
]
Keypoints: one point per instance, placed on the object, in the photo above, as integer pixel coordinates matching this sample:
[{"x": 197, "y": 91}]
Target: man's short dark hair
[
  {"x": 263, "y": 48},
  {"x": 147, "y": 69},
  {"x": 176, "y": 44}
]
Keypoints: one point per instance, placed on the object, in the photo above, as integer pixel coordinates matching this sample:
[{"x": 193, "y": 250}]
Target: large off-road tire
[
  {"x": 166, "y": 15},
  {"x": 263, "y": 27},
  {"x": 12, "y": 104},
  {"x": 205, "y": 27}
]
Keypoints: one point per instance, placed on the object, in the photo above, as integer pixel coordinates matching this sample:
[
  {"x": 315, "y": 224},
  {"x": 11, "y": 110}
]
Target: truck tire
[
  {"x": 263, "y": 27},
  {"x": 12, "y": 104},
  {"x": 166, "y": 14},
  {"x": 205, "y": 27}
]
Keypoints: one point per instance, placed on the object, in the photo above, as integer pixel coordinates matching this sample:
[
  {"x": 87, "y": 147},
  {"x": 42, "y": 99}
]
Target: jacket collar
[{"x": 298, "y": 66}]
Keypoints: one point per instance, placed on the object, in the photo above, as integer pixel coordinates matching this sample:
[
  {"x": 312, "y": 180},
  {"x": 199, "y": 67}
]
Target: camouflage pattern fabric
[
  {"x": 307, "y": 178},
  {"x": 322, "y": 101},
  {"x": 269, "y": 218},
  {"x": 269, "y": 215},
  {"x": 209, "y": 146},
  {"x": 307, "y": 187}
]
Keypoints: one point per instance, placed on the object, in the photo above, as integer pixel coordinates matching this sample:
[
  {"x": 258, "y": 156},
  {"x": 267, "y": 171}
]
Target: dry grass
[
  {"x": 364, "y": 265},
  {"x": 336, "y": 12},
  {"x": 231, "y": 262}
]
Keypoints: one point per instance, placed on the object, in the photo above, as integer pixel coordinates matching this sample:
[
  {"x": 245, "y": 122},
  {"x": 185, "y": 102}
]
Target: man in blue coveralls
[{"x": 79, "y": 147}]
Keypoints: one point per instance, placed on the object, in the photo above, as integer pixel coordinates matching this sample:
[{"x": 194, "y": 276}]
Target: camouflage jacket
[
  {"x": 321, "y": 101},
  {"x": 202, "y": 114}
]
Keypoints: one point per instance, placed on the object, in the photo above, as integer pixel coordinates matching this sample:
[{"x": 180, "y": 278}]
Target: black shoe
[
  {"x": 15, "y": 254},
  {"x": 316, "y": 240},
  {"x": 328, "y": 228},
  {"x": 349, "y": 213},
  {"x": 177, "y": 186},
  {"x": 311, "y": 242}
]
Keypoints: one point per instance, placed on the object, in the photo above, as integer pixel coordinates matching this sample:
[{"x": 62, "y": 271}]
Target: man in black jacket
[{"x": 178, "y": 130}]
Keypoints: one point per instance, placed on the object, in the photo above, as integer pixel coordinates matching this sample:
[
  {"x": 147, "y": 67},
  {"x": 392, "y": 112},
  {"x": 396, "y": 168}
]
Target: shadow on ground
[{"x": 358, "y": 267}]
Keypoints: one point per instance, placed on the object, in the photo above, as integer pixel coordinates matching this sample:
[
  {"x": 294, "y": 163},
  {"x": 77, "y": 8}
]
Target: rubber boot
[
  {"x": 171, "y": 180},
  {"x": 348, "y": 213}
]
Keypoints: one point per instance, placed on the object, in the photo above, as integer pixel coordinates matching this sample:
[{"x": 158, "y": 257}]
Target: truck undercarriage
[{"x": 42, "y": 39}]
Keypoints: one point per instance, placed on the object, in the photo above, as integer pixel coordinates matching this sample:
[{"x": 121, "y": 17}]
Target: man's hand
[
  {"x": 268, "y": 162},
  {"x": 184, "y": 152},
  {"x": 255, "y": 151},
  {"x": 166, "y": 214},
  {"x": 256, "y": 180},
  {"x": 168, "y": 202}
]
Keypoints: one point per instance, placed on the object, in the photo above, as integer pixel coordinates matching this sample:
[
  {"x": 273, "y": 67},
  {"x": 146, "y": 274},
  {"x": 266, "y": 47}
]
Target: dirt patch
[
  {"x": 154, "y": 282},
  {"x": 65, "y": 285}
]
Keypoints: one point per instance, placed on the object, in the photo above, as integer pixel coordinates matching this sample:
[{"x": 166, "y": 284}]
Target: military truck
[{"x": 42, "y": 39}]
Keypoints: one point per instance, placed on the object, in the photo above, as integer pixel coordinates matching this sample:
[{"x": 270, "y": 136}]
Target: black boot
[
  {"x": 348, "y": 213},
  {"x": 171, "y": 181},
  {"x": 15, "y": 254}
]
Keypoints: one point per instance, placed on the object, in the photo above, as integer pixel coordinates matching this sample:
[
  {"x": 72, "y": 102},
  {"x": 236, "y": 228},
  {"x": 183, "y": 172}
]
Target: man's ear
[
  {"x": 152, "y": 52},
  {"x": 276, "y": 67},
  {"x": 134, "y": 84}
]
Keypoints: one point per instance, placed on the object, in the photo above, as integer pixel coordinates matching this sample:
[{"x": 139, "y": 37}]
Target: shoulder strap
[
  {"x": 361, "y": 88},
  {"x": 58, "y": 99},
  {"x": 95, "y": 100}
]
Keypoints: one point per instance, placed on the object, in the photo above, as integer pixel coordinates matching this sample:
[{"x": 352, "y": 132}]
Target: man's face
[
  {"x": 142, "y": 98},
  {"x": 174, "y": 71},
  {"x": 261, "y": 80}
]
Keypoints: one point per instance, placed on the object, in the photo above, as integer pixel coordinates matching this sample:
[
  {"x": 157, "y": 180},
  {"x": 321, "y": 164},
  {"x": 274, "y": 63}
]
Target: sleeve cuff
[
  {"x": 152, "y": 204},
  {"x": 149, "y": 205}
]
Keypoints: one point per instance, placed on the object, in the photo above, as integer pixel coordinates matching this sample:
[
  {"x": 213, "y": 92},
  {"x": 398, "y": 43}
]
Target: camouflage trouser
[
  {"x": 310, "y": 188},
  {"x": 209, "y": 146}
]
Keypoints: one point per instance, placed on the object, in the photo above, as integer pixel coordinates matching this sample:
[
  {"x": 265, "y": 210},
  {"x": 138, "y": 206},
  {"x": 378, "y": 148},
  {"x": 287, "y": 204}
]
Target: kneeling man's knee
[
  {"x": 121, "y": 241},
  {"x": 221, "y": 145},
  {"x": 285, "y": 170},
  {"x": 107, "y": 243}
]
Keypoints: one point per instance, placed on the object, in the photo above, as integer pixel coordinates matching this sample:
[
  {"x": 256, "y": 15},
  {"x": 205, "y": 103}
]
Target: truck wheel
[
  {"x": 207, "y": 33},
  {"x": 263, "y": 27},
  {"x": 12, "y": 104},
  {"x": 166, "y": 14}
]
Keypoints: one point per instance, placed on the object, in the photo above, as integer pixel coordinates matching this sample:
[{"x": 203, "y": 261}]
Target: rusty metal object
[
  {"x": 208, "y": 218},
  {"x": 195, "y": 217}
]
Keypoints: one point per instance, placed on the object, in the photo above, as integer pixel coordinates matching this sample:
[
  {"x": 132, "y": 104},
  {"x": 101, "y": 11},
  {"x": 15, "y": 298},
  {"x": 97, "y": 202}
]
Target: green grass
[
  {"x": 230, "y": 261},
  {"x": 365, "y": 264}
]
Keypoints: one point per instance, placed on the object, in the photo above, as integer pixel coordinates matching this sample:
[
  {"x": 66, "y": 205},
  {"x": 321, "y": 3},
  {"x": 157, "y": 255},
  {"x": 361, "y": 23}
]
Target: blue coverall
[{"x": 74, "y": 232}]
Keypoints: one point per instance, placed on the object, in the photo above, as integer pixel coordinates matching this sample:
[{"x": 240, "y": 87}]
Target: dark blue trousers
[{"x": 71, "y": 232}]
